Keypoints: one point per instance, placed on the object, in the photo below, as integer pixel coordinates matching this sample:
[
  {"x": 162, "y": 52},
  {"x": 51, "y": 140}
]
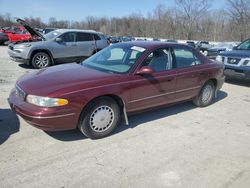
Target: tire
[
  {"x": 41, "y": 60},
  {"x": 206, "y": 95},
  {"x": 100, "y": 118}
]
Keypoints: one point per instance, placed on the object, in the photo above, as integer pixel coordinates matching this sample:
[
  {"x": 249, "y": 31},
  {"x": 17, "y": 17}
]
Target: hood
[
  {"x": 237, "y": 53},
  {"x": 216, "y": 49},
  {"x": 61, "y": 79},
  {"x": 32, "y": 31}
]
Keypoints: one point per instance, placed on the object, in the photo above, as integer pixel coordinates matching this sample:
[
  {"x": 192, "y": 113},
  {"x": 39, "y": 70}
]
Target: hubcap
[
  {"x": 207, "y": 94},
  {"x": 42, "y": 61},
  {"x": 101, "y": 118}
]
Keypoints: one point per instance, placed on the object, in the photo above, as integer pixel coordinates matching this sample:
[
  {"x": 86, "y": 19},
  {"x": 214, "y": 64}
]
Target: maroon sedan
[{"x": 118, "y": 80}]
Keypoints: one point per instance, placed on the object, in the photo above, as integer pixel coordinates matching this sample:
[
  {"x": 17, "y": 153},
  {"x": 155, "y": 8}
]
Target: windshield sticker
[{"x": 137, "y": 48}]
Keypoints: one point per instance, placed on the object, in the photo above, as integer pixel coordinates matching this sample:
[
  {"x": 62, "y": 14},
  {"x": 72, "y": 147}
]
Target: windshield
[
  {"x": 115, "y": 59},
  {"x": 244, "y": 45},
  {"x": 51, "y": 35}
]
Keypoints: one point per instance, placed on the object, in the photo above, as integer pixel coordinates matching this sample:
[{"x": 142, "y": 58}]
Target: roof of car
[
  {"x": 76, "y": 30},
  {"x": 152, "y": 44}
]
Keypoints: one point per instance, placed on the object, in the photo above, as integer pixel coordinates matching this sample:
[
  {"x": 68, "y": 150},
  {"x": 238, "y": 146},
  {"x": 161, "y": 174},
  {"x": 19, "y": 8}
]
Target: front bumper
[
  {"x": 241, "y": 72},
  {"x": 48, "y": 119},
  {"x": 18, "y": 57}
]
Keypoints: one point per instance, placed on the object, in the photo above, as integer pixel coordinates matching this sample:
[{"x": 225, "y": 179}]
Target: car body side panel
[{"x": 151, "y": 90}]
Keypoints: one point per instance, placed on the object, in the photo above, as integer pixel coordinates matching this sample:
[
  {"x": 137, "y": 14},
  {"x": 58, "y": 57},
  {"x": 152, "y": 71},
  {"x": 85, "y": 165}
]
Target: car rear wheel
[
  {"x": 99, "y": 118},
  {"x": 41, "y": 60},
  {"x": 206, "y": 95}
]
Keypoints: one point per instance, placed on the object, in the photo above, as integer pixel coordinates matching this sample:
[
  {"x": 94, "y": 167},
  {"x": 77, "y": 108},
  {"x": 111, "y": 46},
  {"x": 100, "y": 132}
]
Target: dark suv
[{"x": 237, "y": 61}]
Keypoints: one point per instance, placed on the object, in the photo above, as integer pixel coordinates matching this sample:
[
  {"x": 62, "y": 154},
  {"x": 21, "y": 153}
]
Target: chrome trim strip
[
  {"x": 46, "y": 117},
  {"x": 146, "y": 98}
]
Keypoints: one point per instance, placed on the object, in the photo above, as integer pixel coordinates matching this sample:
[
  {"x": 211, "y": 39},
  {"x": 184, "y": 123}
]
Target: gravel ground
[{"x": 178, "y": 146}]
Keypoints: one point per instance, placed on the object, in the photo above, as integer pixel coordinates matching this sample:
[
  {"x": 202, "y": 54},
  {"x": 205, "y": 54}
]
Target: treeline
[{"x": 188, "y": 20}]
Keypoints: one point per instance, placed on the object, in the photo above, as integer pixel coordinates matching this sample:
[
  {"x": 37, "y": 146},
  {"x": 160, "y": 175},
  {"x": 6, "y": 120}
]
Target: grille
[
  {"x": 233, "y": 61},
  {"x": 20, "y": 93}
]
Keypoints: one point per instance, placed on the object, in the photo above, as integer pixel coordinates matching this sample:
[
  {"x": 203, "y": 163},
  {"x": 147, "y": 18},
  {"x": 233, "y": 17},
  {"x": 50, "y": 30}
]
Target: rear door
[
  {"x": 190, "y": 73},
  {"x": 85, "y": 43}
]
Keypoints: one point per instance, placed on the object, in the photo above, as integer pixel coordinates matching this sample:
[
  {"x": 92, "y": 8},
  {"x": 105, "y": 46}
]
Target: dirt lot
[{"x": 179, "y": 146}]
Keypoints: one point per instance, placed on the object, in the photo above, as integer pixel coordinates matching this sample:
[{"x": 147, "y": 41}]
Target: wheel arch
[
  {"x": 116, "y": 98},
  {"x": 215, "y": 82},
  {"x": 44, "y": 51}
]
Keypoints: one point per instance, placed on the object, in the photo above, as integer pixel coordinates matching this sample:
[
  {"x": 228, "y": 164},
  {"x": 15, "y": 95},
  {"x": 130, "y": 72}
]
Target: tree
[
  {"x": 190, "y": 11},
  {"x": 239, "y": 13}
]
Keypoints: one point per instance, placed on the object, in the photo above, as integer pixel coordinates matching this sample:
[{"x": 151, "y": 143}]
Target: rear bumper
[
  {"x": 48, "y": 119},
  {"x": 240, "y": 72}
]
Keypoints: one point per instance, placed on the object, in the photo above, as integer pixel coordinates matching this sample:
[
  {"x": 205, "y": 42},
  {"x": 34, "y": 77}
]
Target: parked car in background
[
  {"x": 237, "y": 61},
  {"x": 191, "y": 43},
  {"x": 59, "y": 46},
  {"x": 172, "y": 40},
  {"x": 203, "y": 46},
  {"x": 156, "y": 39},
  {"x": 217, "y": 49},
  {"x": 3, "y": 38},
  {"x": 119, "y": 80},
  {"x": 47, "y": 30},
  {"x": 114, "y": 39},
  {"x": 126, "y": 38},
  {"x": 16, "y": 33}
]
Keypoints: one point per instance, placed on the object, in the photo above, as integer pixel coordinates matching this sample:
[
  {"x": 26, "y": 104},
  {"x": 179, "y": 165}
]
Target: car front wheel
[
  {"x": 41, "y": 60},
  {"x": 206, "y": 95},
  {"x": 99, "y": 118}
]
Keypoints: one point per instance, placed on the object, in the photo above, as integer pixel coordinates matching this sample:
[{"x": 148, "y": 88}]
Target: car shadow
[
  {"x": 22, "y": 65},
  {"x": 67, "y": 136},
  {"x": 163, "y": 112},
  {"x": 136, "y": 119},
  {"x": 238, "y": 81},
  {"x": 9, "y": 124}
]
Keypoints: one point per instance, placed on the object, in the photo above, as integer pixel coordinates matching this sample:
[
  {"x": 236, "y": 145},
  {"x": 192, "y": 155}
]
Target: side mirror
[
  {"x": 58, "y": 39},
  {"x": 145, "y": 71},
  {"x": 13, "y": 32}
]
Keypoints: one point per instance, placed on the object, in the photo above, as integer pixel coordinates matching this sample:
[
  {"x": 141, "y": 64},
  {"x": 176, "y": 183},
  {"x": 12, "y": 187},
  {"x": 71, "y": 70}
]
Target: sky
[{"x": 77, "y": 10}]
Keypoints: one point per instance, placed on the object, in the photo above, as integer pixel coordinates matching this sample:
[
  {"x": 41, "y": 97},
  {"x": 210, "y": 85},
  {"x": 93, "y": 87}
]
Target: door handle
[
  {"x": 203, "y": 74},
  {"x": 169, "y": 79}
]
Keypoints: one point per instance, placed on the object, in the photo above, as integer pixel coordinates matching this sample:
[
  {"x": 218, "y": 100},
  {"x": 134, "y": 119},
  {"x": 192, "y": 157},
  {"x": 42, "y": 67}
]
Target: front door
[
  {"x": 66, "y": 50},
  {"x": 155, "y": 89}
]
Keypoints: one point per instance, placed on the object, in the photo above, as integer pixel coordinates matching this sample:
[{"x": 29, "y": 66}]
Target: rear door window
[
  {"x": 81, "y": 37},
  {"x": 185, "y": 58}
]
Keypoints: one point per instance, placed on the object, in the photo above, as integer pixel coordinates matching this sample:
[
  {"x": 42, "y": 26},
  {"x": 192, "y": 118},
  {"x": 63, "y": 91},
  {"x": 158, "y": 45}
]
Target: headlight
[
  {"x": 219, "y": 58},
  {"x": 23, "y": 46},
  {"x": 46, "y": 101}
]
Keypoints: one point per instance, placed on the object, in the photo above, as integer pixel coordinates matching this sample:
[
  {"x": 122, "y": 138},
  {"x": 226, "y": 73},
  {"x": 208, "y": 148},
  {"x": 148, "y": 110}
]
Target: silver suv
[{"x": 59, "y": 46}]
